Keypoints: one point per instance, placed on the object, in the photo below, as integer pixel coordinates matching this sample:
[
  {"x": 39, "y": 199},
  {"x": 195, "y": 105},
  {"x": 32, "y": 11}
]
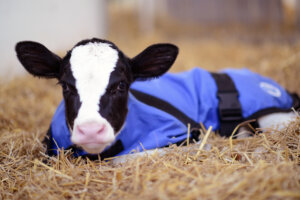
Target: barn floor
[{"x": 266, "y": 166}]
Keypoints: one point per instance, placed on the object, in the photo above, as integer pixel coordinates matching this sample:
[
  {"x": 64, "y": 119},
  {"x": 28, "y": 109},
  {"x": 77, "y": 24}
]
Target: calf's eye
[{"x": 122, "y": 86}]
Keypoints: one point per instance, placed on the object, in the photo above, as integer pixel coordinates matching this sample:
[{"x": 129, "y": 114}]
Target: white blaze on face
[{"x": 92, "y": 65}]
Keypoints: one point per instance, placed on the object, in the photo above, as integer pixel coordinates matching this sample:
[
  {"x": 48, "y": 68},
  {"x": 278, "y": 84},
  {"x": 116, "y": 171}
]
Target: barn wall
[
  {"x": 297, "y": 10},
  {"x": 216, "y": 12},
  {"x": 57, "y": 24}
]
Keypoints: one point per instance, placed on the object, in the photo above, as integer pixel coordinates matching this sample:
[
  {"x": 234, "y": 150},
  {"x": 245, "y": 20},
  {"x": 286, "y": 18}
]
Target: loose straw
[{"x": 203, "y": 142}]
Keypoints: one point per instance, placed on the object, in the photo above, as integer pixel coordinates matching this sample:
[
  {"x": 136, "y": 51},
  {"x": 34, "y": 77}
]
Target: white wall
[{"x": 58, "y": 24}]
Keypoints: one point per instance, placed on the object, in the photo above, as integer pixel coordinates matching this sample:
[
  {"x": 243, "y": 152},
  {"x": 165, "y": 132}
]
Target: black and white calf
[{"x": 96, "y": 78}]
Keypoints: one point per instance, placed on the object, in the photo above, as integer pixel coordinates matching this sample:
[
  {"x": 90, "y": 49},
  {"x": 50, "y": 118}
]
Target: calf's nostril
[
  {"x": 101, "y": 129},
  {"x": 80, "y": 130}
]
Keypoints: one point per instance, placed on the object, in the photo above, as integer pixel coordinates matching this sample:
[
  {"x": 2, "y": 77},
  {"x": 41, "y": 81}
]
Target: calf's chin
[{"x": 94, "y": 148}]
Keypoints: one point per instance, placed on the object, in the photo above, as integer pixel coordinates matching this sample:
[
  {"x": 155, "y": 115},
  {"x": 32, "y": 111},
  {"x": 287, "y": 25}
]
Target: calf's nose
[{"x": 91, "y": 129}]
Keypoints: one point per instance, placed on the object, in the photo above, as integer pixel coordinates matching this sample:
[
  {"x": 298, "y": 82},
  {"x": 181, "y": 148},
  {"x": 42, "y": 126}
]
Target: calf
[{"x": 100, "y": 83}]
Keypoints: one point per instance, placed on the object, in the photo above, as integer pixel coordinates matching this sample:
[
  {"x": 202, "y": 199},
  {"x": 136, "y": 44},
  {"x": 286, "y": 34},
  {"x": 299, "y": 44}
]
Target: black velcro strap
[
  {"x": 115, "y": 149},
  {"x": 296, "y": 101},
  {"x": 168, "y": 108},
  {"x": 48, "y": 141},
  {"x": 230, "y": 110}
]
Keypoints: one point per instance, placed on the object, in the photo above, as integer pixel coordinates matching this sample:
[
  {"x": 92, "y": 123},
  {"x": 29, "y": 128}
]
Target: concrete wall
[
  {"x": 220, "y": 12},
  {"x": 297, "y": 10},
  {"x": 58, "y": 24}
]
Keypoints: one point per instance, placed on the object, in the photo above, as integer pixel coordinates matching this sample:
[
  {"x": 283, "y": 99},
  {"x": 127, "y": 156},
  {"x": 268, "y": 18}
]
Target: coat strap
[
  {"x": 170, "y": 109},
  {"x": 230, "y": 110}
]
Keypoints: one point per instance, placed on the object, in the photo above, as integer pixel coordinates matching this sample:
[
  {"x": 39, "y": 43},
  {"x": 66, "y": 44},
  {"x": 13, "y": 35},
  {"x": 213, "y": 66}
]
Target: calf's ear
[
  {"x": 38, "y": 60},
  {"x": 154, "y": 61}
]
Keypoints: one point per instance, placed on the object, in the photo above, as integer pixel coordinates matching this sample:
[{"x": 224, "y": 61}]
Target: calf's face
[{"x": 95, "y": 77}]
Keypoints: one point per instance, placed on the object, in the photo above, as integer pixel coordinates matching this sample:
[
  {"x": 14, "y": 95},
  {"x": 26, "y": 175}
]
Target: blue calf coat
[{"x": 194, "y": 93}]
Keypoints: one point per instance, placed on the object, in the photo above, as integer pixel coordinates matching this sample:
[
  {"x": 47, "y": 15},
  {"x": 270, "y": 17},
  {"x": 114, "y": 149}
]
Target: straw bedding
[{"x": 266, "y": 166}]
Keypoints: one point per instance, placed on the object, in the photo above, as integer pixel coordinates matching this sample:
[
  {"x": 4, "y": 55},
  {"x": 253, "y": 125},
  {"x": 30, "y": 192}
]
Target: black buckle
[{"x": 229, "y": 107}]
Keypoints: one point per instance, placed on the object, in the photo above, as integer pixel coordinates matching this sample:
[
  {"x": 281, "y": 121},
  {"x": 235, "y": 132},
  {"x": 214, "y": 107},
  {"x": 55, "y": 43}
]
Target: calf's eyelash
[{"x": 116, "y": 87}]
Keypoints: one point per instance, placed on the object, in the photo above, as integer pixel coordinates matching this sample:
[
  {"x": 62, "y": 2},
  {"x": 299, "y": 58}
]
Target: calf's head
[{"x": 95, "y": 77}]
